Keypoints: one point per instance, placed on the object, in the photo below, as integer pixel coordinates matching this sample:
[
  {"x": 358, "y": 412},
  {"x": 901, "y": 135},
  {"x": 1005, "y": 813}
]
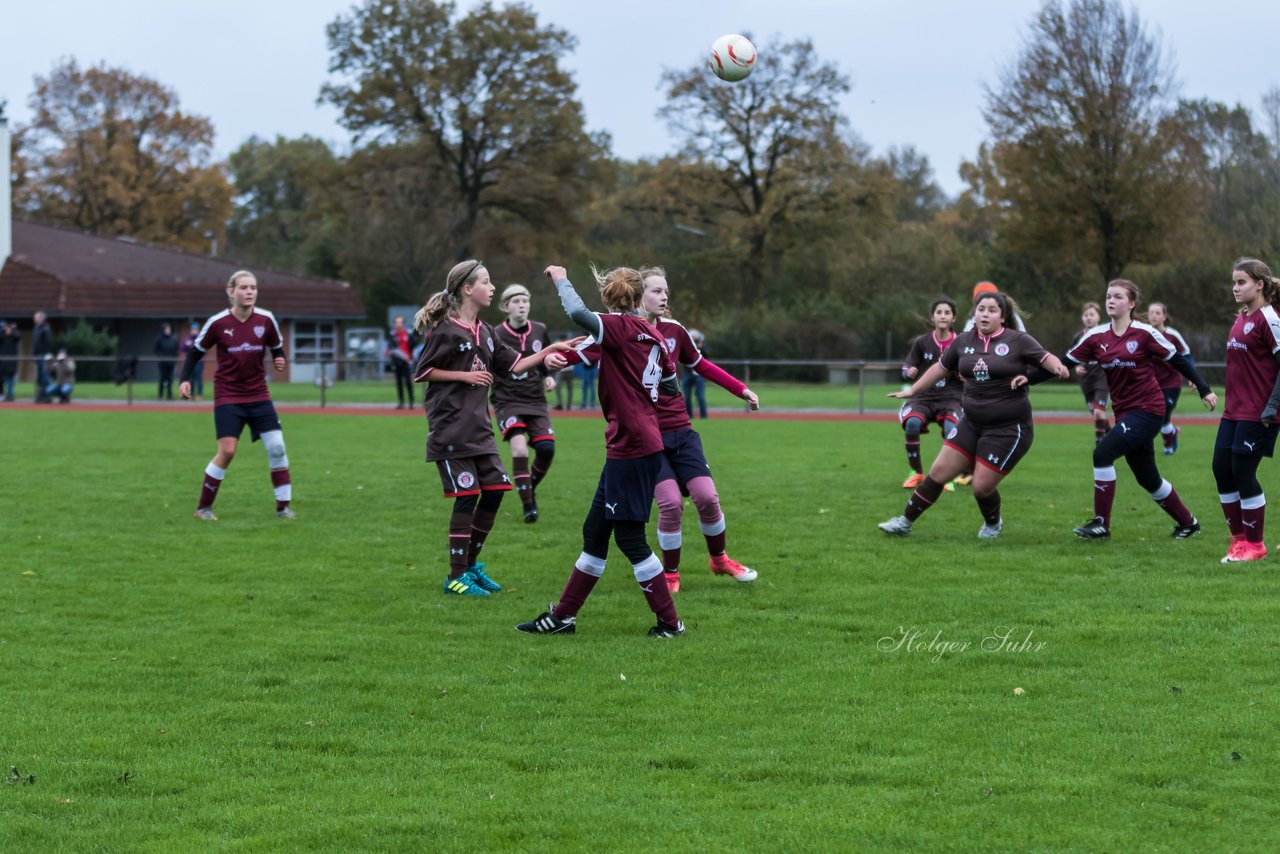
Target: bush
[{"x": 84, "y": 340}]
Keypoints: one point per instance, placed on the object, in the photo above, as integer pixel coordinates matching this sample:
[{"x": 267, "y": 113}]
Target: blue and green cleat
[
  {"x": 476, "y": 570},
  {"x": 465, "y": 585}
]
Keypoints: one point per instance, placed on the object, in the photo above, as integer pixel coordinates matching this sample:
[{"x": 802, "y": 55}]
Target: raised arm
[
  {"x": 928, "y": 378},
  {"x": 572, "y": 303}
]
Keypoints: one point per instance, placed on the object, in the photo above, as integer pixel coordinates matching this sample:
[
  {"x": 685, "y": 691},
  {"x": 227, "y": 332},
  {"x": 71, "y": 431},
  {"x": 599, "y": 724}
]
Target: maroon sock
[
  {"x": 913, "y": 454},
  {"x": 481, "y": 525},
  {"x": 279, "y": 478},
  {"x": 1169, "y": 437},
  {"x": 1235, "y": 521},
  {"x": 671, "y": 559},
  {"x": 208, "y": 492},
  {"x": 658, "y": 595},
  {"x": 1100, "y": 429},
  {"x": 1252, "y": 518},
  {"x": 715, "y": 544},
  {"x": 575, "y": 593},
  {"x": 1173, "y": 505},
  {"x": 1104, "y": 497},
  {"x": 922, "y": 499},
  {"x": 524, "y": 484},
  {"x": 989, "y": 507},
  {"x": 459, "y": 538}
]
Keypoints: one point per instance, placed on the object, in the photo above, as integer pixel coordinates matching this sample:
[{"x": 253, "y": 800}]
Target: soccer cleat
[
  {"x": 673, "y": 581},
  {"x": 662, "y": 630},
  {"x": 1171, "y": 444},
  {"x": 205, "y": 514},
  {"x": 531, "y": 513},
  {"x": 898, "y": 526},
  {"x": 476, "y": 571},
  {"x": 1245, "y": 551},
  {"x": 913, "y": 481},
  {"x": 1094, "y": 529},
  {"x": 990, "y": 532},
  {"x": 725, "y": 565},
  {"x": 286, "y": 513},
  {"x": 1234, "y": 549},
  {"x": 963, "y": 480},
  {"x": 464, "y": 585},
  {"x": 949, "y": 486},
  {"x": 548, "y": 623},
  {"x": 1186, "y": 532}
]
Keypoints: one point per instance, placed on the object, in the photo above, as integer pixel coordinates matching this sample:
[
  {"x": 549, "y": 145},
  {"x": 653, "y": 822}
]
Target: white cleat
[
  {"x": 898, "y": 526},
  {"x": 990, "y": 532}
]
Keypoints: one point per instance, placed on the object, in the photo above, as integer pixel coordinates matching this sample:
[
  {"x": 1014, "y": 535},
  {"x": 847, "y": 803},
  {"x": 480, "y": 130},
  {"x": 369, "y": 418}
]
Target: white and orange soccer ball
[{"x": 732, "y": 57}]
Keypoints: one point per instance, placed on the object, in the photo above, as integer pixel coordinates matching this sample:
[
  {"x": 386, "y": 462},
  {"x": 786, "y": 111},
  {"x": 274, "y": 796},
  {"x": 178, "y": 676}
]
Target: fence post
[
  {"x": 746, "y": 379},
  {"x": 862, "y": 387},
  {"x": 129, "y": 388},
  {"x": 323, "y": 377}
]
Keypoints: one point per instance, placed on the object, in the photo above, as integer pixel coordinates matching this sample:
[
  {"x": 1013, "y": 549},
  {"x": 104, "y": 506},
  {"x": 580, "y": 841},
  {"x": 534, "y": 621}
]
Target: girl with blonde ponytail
[{"x": 458, "y": 361}]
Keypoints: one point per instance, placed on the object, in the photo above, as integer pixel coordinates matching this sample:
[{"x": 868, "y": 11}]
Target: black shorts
[
  {"x": 1171, "y": 396},
  {"x": 537, "y": 425},
  {"x": 682, "y": 457},
  {"x": 1246, "y": 438},
  {"x": 930, "y": 412},
  {"x": 1137, "y": 428},
  {"x": 626, "y": 488},
  {"x": 472, "y": 475},
  {"x": 998, "y": 447},
  {"x": 229, "y": 419}
]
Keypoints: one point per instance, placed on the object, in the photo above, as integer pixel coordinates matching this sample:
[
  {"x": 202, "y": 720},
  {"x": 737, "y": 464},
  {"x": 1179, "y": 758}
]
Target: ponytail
[
  {"x": 621, "y": 288},
  {"x": 447, "y": 302}
]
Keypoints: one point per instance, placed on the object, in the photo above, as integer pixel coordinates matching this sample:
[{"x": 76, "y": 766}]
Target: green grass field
[{"x": 255, "y": 684}]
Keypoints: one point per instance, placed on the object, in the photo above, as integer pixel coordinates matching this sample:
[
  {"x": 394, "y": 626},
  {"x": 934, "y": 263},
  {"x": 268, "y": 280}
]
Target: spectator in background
[
  {"x": 41, "y": 347},
  {"x": 9, "y": 339},
  {"x": 166, "y": 350},
  {"x": 63, "y": 378},
  {"x": 587, "y": 374},
  {"x": 185, "y": 346},
  {"x": 564, "y": 382},
  {"x": 401, "y": 346},
  {"x": 694, "y": 384}
]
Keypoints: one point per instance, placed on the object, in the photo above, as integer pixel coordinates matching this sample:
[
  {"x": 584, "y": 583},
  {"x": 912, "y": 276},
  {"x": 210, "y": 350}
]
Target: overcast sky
[{"x": 256, "y": 66}]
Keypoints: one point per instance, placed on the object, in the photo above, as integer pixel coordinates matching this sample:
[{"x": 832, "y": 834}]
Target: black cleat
[
  {"x": 662, "y": 630},
  {"x": 1094, "y": 529},
  {"x": 1186, "y": 532},
  {"x": 531, "y": 513},
  {"x": 548, "y": 623}
]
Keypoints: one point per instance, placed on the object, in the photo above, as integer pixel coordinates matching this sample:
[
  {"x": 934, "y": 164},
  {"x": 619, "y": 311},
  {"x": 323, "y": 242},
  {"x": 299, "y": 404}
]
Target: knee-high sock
[
  {"x": 1253, "y": 514},
  {"x": 922, "y": 499},
  {"x": 989, "y": 507},
  {"x": 459, "y": 540},
  {"x": 655, "y": 590},
  {"x": 1167, "y": 497},
  {"x": 1231, "y": 510},
  {"x": 282, "y": 486},
  {"x": 1104, "y": 492},
  {"x": 212, "y": 480},
  {"x": 522, "y": 480},
  {"x": 582, "y": 580},
  {"x": 482, "y": 523},
  {"x": 544, "y": 453}
]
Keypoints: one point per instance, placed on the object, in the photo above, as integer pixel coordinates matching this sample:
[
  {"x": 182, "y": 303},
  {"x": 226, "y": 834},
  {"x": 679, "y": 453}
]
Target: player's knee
[
  {"x": 912, "y": 427},
  {"x": 545, "y": 449},
  {"x": 670, "y": 502},
  {"x": 631, "y": 541},
  {"x": 464, "y": 504},
  {"x": 490, "y": 499},
  {"x": 273, "y": 441},
  {"x": 702, "y": 490}
]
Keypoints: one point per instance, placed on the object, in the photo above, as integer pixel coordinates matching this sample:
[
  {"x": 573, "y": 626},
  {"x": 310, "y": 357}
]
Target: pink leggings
[{"x": 671, "y": 504}]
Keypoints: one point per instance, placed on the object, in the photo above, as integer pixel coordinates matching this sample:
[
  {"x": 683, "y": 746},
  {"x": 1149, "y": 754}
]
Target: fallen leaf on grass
[
  {"x": 28, "y": 573},
  {"x": 1174, "y": 689},
  {"x": 64, "y": 800},
  {"x": 622, "y": 676}
]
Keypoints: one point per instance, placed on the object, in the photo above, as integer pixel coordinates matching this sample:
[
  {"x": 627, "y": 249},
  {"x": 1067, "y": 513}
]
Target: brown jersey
[
  {"x": 458, "y": 422},
  {"x": 521, "y": 392},
  {"x": 927, "y": 351},
  {"x": 242, "y": 347},
  {"x": 987, "y": 366}
]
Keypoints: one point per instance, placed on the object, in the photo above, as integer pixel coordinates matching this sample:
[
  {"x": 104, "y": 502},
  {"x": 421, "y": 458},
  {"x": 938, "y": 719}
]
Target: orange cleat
[
  {"x": 725, "y": 565},
  {"x": 912, "y": 482},
  {"x": 673, "y": 581}
]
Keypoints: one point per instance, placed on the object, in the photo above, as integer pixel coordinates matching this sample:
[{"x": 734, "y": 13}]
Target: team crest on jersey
[
  {"x": 259, "y": 330},
  {"x": 537, "y": 345},
  {"x": 671, "y": 344},
  {"x": 1248, "y": 327},
  {"x": 466, "y": 480},
  {"x": 489, "y": 341},
  {"x": 1131, "y": 346},
  {"x": 981, "y": 373},
  {"x": 951, "y": 434},
  {"x": 477, "y": 364},
  {"x": 1002, "y": 349}
]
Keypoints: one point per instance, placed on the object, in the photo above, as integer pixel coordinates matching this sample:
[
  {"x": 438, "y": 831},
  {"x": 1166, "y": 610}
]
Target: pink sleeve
[{"x": 719, "y": 376}]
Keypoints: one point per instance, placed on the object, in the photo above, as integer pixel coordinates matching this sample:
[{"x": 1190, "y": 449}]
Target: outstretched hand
[
  {"x": 750, "y": 397},
  {"x": 556, "y": 272},
  {"x": 900, "y": 395}
]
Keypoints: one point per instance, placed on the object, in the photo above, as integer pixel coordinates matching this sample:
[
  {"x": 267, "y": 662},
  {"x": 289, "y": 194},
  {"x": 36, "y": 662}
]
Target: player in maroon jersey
[
  {"x": 684, "y": 465},
  {"x": 520, "y": 400},
  {"x": 995, "y": 430},
  {"x": 242, "y": 334},
  {"x": 1127, "y": 349},
  {"x": 1093, "y": 380},
  {"x": 1170, "y": 380},
  {"x": 635, "y": 369},
  {"x": 1247, "y": 432},
  {"x": 938, "y": 404},
  {"x": 458, "y": 363}
]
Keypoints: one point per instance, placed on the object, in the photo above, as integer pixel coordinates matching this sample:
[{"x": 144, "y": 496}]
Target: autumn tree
[
  {"x": 112, "y": 152},
  {"x": 761, "y": 154},
  {"x": 482, "y": 96},
  {"x": 1078, "y": 165}
]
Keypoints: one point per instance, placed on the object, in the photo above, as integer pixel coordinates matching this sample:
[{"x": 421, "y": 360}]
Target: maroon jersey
[
  {"x": 1093, "y": 373},
  {"x": 521, "y": 392},
  {"x": 927, "y": 351},
  {"x": 242, "y": 350},
  {"x": 1251, "y": 363},
  {"x": 678, "y": 343},
  {"x": 633, "y": 362},
  {"x": 1129, "y": 361},
  {"x": 987, "y": 366},
  {"x": 458, "y": 422},
  {"x": 1166, "y": 376}
]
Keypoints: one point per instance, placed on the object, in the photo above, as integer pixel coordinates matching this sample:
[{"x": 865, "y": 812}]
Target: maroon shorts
[
  {"x": 998, "y": 447},
  {"x": 472, "y": 475},
  {"x": 513, "y": 419},
  {"x": 930, "y": 412}
]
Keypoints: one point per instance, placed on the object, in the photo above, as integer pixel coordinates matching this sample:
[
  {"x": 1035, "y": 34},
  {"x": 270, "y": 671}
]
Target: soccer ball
[{"x": 732, "y": 57}]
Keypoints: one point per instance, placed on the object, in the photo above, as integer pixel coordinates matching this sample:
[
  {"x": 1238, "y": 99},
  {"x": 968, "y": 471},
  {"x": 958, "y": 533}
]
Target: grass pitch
[{"x": 262, "y": 685}]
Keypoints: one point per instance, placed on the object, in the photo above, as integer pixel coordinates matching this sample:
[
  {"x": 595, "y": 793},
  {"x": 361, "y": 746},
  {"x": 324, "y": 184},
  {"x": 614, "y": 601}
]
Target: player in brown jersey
[
  {"x": 635, "y": 369},
  {"x": 242, "y": 334},
  {"x": 1170, "y": 381},
  {"x": 939, "y": 404},
  {"x": 1093, "y": 380},
  {"x": 458, "y": 363},
  {"x": 1128, "y": 349},
  {"x": 1247, "y": 432},
  {"x": 520, "y": 400},
  {"x": 995, "y": 430},
  {"x": 684, "y": 465}
]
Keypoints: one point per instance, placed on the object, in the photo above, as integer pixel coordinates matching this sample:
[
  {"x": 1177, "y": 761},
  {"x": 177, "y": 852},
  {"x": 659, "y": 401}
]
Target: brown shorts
[
  {"x": 1095, "y": 393},
  {"x": 536, "y": 424},
  {"x": 472, "y": 475},
  {"x": 998, "y": 447},
  {"x": 930, "y": 412}
]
